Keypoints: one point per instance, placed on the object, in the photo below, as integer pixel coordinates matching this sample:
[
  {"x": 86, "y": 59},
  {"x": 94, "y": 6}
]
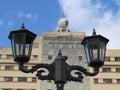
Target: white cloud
[
  {"x": 83, "y": 16},
  {"x": 30, "y": 16}
]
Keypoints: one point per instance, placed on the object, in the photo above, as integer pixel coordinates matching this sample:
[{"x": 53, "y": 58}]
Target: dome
[{"x": 63, "y": 23}]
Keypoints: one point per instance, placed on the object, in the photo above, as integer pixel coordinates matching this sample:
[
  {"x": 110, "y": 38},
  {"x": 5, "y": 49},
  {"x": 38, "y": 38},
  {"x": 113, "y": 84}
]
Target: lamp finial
[
  {"x": 23, "y": 26},
  {"x": 94, "y": 32},
  {"x": 60, "y": 53}
]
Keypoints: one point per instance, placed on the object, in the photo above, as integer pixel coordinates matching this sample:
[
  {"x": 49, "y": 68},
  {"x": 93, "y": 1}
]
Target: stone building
[{"x": 70, "y": 45}]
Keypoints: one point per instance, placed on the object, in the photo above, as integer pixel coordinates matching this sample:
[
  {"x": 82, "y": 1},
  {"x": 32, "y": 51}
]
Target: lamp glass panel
[
  {"x": 87, "y": 53},
  {"x": 93, "y": 52},
  {"x": 93, "y": 49},
  {"x": 102, "y": 49},
  {"x": 23, "y": 49},
  {"x": 28, "y": 49},
  {"x": 20, "y": 49},
  {"x": 13, "y": 47}
]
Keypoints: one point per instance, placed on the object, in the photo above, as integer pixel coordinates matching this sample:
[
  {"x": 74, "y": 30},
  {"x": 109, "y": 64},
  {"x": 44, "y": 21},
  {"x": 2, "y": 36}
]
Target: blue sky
[
  {"x": 38, "y": 15},
  {"x": 42, "y": 16}
]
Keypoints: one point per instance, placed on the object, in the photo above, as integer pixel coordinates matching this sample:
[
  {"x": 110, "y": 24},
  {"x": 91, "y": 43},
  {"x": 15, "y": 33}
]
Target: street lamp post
[{"x": 58, "y": 71}]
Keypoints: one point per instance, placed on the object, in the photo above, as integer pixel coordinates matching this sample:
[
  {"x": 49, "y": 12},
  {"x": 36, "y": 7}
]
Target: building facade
[
  {"x": 11, "y": 78},
  {"x": 45, "y": 50},
  {"x": 109, "y": 76}
]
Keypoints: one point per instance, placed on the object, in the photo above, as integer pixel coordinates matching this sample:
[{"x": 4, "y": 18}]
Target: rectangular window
[
  {"x": 22, "y": 79},
  {"x": 49, "y": 57},
  {"x": 118, "y": 81},
  {"x": 60, "y": 45},
  {"x": 22, "y": 89},
  {"x": 9, "y": 67},
  {"x": 9, "y": 56},
  {"x": 65, "y": 45},
  {"x": 7, "y": 89},
  {"x": 36, "y": 45},
  {"x": 95, "y": 81},
  {"x": 117, "y": 58},
  {"x": 8, "y": 79},
  {"x": 106, "y": 69},
  {"x": 117, "y": 69},
  {"x": 0, "y": 56},
  {"x": 107, "y": 59},
  {"x": 80, "y": 58},
  {"x": 74, "y": 45},
  {"x": 107, "y": 81},
  {"x": 34, "y": 79},
  {"x": 63, "y": 30},
  {"x": 35, "y": 56}
]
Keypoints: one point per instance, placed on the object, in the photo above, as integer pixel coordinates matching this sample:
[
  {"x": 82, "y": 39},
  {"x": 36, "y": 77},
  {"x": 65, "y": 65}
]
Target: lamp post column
[{"x": 60, "y": 71}]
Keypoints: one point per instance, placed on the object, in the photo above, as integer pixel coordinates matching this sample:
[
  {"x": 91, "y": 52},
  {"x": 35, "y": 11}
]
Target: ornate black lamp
[
  {"x": 95, "y": 48},
  {"x": 58, "y": 71},
  {"x": 21, "y": 42}
]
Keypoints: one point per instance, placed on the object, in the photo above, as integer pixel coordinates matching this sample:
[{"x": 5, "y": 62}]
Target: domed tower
[{"x": 63, "y": 24}]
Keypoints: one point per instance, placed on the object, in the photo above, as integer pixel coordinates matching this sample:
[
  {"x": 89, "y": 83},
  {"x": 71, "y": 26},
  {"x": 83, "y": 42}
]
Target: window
[
  {"x": 60, "y": 45},
  {"x": 107, "y": 58},
  {"x": 74, "y": 45},
  {"x": 35, "y": 56},
  {"x": 49, "y": 57},
  {"x": 8, "y": 79},
  {"x": 7, "y": 89},
  {"x": 106, "y": 69},
  {"x": 63, "y": 30},
  {"x": 117, "y": 58},
  {"x": 22, "y": 79},
  {"x": 117, "y": 69},
  {"x": 34, "y": 79},
  {"x": 0, "y": 56},
  {"x": 36, "y": 45},
  {"x": 95, "y": 80},
  {"x": 80, "y": 58},
  {"x": 107, "y": 81},
  {"x": 9, "y": 67},
  {"x": 65, "y": 45},
  {"x": 118, "y": 81},
  {"x": 22, "y": 89},
  {"x": 9, "y": 57},
  {"x": 55, "y": 46}
]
